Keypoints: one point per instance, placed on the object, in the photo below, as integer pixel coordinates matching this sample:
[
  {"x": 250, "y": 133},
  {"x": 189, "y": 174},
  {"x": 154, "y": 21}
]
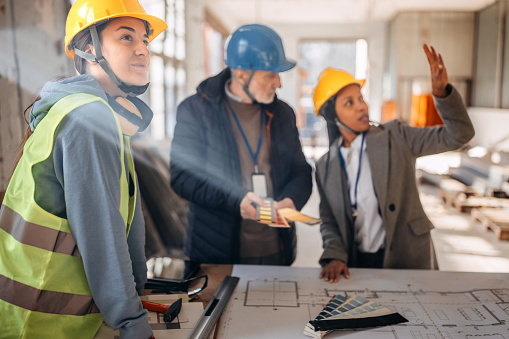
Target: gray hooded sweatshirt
[{"x": 80, "y": 181}]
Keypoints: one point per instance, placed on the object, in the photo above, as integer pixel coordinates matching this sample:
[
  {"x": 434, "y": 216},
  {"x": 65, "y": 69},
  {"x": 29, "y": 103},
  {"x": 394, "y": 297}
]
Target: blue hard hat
[{"x": 256, "y": 47}]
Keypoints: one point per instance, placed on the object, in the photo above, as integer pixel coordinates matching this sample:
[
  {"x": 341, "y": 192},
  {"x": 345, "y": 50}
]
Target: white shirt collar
[{"x": 356, "y": 143}]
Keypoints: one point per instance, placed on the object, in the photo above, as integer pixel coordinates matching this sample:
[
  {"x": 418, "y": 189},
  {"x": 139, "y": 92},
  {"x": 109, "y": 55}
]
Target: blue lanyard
[
  {"x": 253, "y": 156},
  {"x": 342, "y": 161}
]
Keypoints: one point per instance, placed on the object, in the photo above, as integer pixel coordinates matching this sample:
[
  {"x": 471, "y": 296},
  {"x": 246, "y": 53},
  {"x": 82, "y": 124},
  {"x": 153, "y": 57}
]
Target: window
[
  {"x": 214, "y": 50},
  {"x": 167, "y": 66}
]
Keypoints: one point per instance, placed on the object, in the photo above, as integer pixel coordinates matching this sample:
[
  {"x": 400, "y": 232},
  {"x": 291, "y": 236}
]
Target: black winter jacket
[{"x": 205, "y": 170}]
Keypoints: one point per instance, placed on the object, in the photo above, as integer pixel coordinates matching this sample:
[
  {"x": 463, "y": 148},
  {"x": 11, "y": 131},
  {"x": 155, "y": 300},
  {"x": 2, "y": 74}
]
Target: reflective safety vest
[{"x": 44, "y": 292}]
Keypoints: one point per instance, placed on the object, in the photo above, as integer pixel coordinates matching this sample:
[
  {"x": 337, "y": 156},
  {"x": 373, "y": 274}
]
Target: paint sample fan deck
[
  {"x": 271, "y": 216},
  {"x": 355, "y": 312}
]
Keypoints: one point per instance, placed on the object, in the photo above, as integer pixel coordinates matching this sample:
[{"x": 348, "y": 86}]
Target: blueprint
[{"x": 277, "y": 302}]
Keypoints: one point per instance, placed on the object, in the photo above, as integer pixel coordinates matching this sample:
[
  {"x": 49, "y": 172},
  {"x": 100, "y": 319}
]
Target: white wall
[{"x": 490, "y": 126}]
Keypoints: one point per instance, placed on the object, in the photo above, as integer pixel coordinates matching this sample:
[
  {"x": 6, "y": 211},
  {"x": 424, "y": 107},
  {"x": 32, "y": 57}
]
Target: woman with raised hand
[{"x": 369, "y": 200}]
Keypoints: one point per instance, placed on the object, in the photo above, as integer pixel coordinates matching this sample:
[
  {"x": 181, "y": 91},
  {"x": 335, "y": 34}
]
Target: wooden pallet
[
  {"x": 466, "y": 203},
  {"x": 495, "y": 219},
  {"x": 454, "y": 193},
  {"x": 465, "y": 200}
]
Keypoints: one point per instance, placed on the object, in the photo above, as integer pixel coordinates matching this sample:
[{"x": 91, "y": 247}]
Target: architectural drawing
[{"x": 277, "y": 302}]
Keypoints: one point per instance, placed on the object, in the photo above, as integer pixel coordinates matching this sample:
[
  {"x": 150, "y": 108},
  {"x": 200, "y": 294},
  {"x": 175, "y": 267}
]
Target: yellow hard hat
[
  {"x": 85, "y": 13},
  {"x": 329, "y": 83}
]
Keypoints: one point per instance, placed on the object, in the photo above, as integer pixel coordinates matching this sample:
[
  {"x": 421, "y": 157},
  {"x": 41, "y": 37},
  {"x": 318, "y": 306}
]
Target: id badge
[{"x": 259, "y": 184}]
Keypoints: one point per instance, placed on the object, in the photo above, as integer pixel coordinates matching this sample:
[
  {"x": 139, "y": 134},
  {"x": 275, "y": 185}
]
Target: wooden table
[{"x": 216, "y": 274}]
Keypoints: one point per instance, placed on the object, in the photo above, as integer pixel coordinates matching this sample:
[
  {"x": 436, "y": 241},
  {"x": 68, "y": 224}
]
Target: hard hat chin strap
[
  {"x": 343, "y": 126},
  {"x": 328, "y": 111},
  {"x": 246, "y": 88},
  {"x": 99, "y": 58},
  {"x": 119, "y": 105}
]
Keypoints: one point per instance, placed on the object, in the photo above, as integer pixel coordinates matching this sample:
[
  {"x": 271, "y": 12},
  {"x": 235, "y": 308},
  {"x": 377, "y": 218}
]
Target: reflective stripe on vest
[{"x": 42, "y": 279}]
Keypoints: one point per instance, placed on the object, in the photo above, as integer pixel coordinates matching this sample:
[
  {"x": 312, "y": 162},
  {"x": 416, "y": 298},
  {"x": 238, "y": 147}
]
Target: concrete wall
[
  {"x": 32, "y": 51},
  {"x": 486, "y": 58},
  {"x": 491, "y": 75}
]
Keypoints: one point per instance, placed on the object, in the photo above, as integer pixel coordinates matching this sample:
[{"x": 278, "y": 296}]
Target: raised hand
[{"x": 439, "y": 79}]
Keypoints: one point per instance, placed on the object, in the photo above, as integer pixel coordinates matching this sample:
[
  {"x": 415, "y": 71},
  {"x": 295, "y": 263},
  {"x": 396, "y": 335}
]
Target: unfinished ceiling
[{"x": 233, "y": 13}]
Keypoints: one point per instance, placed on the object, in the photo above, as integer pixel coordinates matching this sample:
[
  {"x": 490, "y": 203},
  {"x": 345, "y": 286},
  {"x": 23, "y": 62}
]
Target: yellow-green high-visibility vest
[{"x": 44, "y": 292}]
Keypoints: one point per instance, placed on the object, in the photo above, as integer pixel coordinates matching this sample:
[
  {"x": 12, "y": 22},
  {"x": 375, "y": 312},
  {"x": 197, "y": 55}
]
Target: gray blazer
[{"x": 392, "y": 149}]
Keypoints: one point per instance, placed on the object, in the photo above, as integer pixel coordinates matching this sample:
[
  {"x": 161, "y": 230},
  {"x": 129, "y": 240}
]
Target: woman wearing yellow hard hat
[
  {"x": 369, "y": 200},
  {"x": 72, "y": 233}
]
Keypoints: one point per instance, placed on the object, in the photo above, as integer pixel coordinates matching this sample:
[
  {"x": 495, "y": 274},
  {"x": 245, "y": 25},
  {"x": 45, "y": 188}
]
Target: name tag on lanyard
[
  {"x": 258, "y": 179},
  {"x": 259, "y": 184}
]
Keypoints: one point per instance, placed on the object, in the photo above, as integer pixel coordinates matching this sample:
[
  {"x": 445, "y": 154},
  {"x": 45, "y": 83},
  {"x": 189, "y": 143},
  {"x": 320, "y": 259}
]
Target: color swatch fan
[
  {"x": 351, "y": 313},
  {"x": 274, "y": 217}
]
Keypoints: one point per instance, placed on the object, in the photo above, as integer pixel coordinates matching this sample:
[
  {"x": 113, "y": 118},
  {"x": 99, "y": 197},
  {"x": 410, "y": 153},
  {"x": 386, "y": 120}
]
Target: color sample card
[
  {"x": 350, "y": 313},
  {"x": 271, "y": 216}
]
